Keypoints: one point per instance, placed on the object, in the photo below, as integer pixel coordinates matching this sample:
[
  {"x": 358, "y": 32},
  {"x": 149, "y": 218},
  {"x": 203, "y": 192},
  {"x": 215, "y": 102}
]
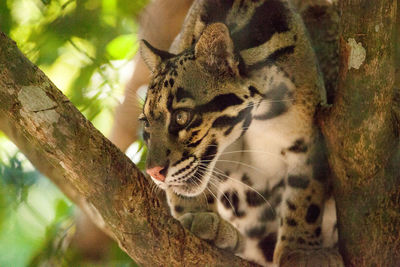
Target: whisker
[
  {"x": 209, "y": 190},
  {"x": 218, "y": 189},
  {"x": 255, "y": 151},
  {"x": 237, "y": 162},
  {"x": 223, "y": 194}
]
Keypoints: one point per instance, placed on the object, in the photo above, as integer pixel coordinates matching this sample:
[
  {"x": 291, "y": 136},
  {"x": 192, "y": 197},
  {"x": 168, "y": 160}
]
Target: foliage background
[{"x": 85, "y": 47}]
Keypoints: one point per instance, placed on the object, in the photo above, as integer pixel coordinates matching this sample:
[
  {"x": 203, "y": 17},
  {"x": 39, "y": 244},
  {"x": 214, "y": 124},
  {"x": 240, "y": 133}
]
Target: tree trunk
[
  {"x": 96, "y": 175},
  {"x": 362, "y": 136}
]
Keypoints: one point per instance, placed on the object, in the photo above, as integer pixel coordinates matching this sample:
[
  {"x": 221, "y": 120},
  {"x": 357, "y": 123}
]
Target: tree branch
[
  {"x": 396, "y": 106},
  {"x": 96, "y": 175},
  {"x": 361, "y": 136}
]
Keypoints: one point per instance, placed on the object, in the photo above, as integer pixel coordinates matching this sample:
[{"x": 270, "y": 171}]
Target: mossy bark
[
  {"x": 91, "y": 170},
  {"x": 362, "y": 138}
]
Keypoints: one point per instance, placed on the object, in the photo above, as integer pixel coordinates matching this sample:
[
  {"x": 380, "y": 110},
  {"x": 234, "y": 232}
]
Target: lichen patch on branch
[
  {"x": 34, "y": 99},
  {"x": 357, "y": 54}
]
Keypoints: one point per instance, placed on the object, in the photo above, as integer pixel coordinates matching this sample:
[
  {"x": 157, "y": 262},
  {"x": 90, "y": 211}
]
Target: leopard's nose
[{"x": 157, "y": 172}]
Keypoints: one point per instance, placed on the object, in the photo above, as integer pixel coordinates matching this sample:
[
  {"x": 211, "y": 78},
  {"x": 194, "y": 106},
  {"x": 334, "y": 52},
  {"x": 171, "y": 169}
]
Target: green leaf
[
  {"x": 6, "y": 20},
  {"x": 124, "y": 46},
  {"x": 46, "y": 2},
  {"x": 63, "y": 209}
]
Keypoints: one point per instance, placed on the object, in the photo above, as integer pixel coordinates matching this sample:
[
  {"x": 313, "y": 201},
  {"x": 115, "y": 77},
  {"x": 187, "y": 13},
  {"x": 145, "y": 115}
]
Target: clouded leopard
[{"x": 229, "y": 125}]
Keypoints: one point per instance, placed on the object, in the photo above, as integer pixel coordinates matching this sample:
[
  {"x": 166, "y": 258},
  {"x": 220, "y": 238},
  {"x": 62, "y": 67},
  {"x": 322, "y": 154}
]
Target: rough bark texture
[
  {"x": 396, "y": 106},
  {"x": 362, "y": 137},
  {"x": 91, "y": 170}
]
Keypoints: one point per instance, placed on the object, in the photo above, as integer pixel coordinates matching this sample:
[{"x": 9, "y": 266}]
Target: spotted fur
[{"x": 247, "y": 169}]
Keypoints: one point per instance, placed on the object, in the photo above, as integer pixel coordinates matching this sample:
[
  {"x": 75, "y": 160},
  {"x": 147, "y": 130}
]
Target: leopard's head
[{"x": 196, "y": 105}]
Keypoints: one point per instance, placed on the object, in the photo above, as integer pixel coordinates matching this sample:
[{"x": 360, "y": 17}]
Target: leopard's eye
[{"x": 182, "y": 117}]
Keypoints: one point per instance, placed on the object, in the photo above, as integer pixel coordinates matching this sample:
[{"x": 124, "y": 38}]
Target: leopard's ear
[
  {"x": 153, "y": 56},
  {"x": 215, "y": 52}
]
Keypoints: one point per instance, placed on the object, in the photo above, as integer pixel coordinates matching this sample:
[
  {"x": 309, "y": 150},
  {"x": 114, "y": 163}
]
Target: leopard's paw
[
  {"x": 323, "y": 257},
  {"x": 209, "y": 226}
]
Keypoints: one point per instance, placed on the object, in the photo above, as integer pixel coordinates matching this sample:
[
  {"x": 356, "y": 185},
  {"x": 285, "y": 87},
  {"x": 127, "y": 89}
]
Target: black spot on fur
[
  {"x": 224, "y": 121},
  {"x": 210, "y": 152},
  {"x": 152, "y": 86},
  {"x": 256, "y": 232},
  {"x": 196, "y": 122},
  {"x": 171, "y": 82},
  {"x": 227, "y": 132},
  {"x": 301, "y": 240},
  {"x": 195, "y": 144},
  {"x": 269, "y": 18},
  {"x": 220, "y": 103},
  {"x": 291, "y": 205},
  {"x": 298, "y": 147},
  {"x": 185, "y": 168},
  {"x": 246, "y": 179},
  {"x": 288, "y": 50},
  {"x": 298, "y": 181},
  {"x": 267, "y": 245},
  {"x": 183, "y": 158},
  {"x": 273, "y": 58},
  {"x": 169, "y": 102},
  {"x": 291, "y": 222},
  {"x": 268, "y": 214},
  {"x": 230, "y": 200},
  {"x": 216, "y": 11},
  {"x": 178, "y": 208},
  {"x": 277, "y": 200},
  {"x": 254, "y": 199},
  {"x": 210, "y": 199},
  {"x": 194, "y": 134},
  {"x": 165, "y": 83},
  {"x": 253, "y": 91},
  {"x": 235, "y": 202},
  {"x": 283, "y": 238},
  {"x": 317, "y": 232},
  {"x": 278, "y": 186},
  {"x": 277, "y": 105},
  {"x": 185, "y": 154},
  {"x": 182, "y": 93},
  {"x": 240, "y": 214},
  {"x": 313, "y": 212},
  {"x": 225, "y": 200},
  {"x": 168, "y": 152}
]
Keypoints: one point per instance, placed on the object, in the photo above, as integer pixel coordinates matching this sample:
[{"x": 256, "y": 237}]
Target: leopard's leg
[
  {"x": 299, "y": 236},
  {"x": 198, "y": 215}
]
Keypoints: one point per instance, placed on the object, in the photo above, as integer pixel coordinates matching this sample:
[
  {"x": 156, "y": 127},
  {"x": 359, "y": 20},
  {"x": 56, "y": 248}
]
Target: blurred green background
[{"x": 85, "y": 47}]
